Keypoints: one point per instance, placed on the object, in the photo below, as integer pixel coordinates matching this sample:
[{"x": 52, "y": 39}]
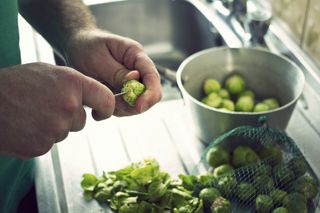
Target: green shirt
[{"x": 16, "y": 176}]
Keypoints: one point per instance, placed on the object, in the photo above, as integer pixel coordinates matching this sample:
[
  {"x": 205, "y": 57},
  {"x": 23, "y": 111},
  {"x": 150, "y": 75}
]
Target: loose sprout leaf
[{"x": 88, "y": 181}]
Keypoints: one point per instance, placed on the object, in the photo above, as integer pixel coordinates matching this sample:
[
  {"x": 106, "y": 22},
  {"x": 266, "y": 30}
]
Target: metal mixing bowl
[{"x": 267, "y": 74}]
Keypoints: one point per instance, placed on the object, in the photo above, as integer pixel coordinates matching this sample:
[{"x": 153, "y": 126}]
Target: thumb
[{"x": 98, "y": 97}]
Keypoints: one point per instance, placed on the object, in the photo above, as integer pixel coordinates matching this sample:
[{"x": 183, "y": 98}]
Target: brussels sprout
[
  {"x": 246, "y": 192},
  {"x": 245, "y": 104},
  {"x": 263, "y": 184},
  {"x": 247, "y": 93},
  {"x": 211, "y": 85},
  {"x": 272, "y": 103},
  {"x": 223, "y": 93},
  {"x": 227, "y": 185},
  {"x": 235, "y": 84},
  {"x": 263, "y": 169},
  {"x": 133, "y": 89},
  {"x": 221, "y": 205},
  {"x": 217, "y": 156},
  {"x": 227, "y": 104},
  {"x": 307, "y": 186},
  {"x": 264, "y": 204},
  {"x": 295, "y": 202},
  {"x": 283, "y": 176},
  {"x": 277, "y": 196},
  {"x": 298, "y": 166},
  {"x": 280, "y": 210},
  {"x": 243, "y": 156},
  {"x": 260, "y": 107},
  {"x": 214, "y": 100},
  {"x": 223, "y": 169},
  {"x": 208, "y": 195},
  {"x": 273, "y": 154}
]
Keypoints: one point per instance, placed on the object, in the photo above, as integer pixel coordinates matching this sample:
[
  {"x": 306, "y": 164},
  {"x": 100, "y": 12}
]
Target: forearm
[{"x": 57, "y": 20}]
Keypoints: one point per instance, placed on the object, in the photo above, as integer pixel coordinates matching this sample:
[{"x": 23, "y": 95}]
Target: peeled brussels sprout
[
  {"x": 243, "y": 156},
  {"x": 217, "y": 156},
  {"x": 223, "y": 169},
  {"x": 223, "y": 93},
  {"x": 221, "y": 205},
  {"x": 264, "y": 204},
  {"x": 272, "y": 103},
  {"x": 235, "y": 84},
  {"x": 133, "y": 89},
  {"x": 245, "y": 104},
  {"x": 227, "y": 104},
  {"x": 211, "y": 85},
  {"x": 214, "y": 100},
  {"x": 247, "y": 93},
  {"x": 208, "y": 195},
  {"x": 260, "y": 107}
]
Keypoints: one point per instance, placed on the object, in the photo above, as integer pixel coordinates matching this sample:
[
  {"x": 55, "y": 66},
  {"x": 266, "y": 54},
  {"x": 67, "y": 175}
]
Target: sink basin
[{"x": 169, "y": 30}]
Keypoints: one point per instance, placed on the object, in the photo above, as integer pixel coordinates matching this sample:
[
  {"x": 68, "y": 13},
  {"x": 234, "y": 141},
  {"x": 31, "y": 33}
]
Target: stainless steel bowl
[{"x": 269, "y": 75}]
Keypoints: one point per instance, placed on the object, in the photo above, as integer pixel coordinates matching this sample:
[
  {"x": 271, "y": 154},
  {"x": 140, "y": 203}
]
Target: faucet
[{"x": 249, "y": 19}]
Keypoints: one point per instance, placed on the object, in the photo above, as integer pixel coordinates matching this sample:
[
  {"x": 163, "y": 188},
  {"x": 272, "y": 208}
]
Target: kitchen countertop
[{"x": 165, "y": 132}]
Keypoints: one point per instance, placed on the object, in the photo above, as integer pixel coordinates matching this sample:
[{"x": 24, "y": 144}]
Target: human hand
[
  {"x": 115, "y": 59},
  {"x": 41, "y": 103}
]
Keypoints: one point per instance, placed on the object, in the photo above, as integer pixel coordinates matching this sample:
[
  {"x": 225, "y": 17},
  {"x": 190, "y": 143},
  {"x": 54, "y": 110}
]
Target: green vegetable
[
  {"x": 235, "y": 84},
  {"x": 247, "y": 93},
  {"x": 298, "y": 166},
  {"x": 264, "y": 184},
  {"x": 307, "y": 186},
  {"x": 222, "y": 169},
  {"x": 227, "y": 185},
  {"x": 245, "y": 104},
  {"x": 280, "y": 210},
  {"x": 262, "y": 169},
  {"x": 260, "y": 107},
  {"x": 227, "y": 104},
  {"x": 213, "y": 100},
  {"x": 211, "y": 85},
  {"x": 217, "y": 156},
  {"x": 243, "y": 156},
  {"x": 133, "y": 89},
  {"x": 88, "y": 182},
  {"x": 272, "y": 103},
  {"x": 246, "y": 192},
  {"x": 264, "y": 204},
  {"x": 295, "y": 202},
  {"x": 224, "y": 94},
  {"x": 272, "y": 154},
  {"x": 208, "y": 195},
  {"x": 283, "y": 176},
  {"x": 221, "y": 205},
  {"x": 277, "y": 196}
]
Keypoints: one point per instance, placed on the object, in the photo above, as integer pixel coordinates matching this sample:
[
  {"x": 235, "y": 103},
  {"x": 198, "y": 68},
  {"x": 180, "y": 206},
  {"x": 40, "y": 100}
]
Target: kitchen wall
[{"x": 302, "y": 20}]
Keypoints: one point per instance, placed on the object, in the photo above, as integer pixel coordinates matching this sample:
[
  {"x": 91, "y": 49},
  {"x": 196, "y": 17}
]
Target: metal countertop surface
[{"x": 164, "y": 132}]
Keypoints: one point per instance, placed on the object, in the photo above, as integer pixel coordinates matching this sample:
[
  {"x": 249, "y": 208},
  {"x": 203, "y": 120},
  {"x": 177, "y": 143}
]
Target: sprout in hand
[{"x": 133, "y": 89}]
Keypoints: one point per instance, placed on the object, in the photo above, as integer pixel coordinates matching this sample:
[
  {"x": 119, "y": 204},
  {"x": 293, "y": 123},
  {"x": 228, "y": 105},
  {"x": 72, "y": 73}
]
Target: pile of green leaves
[{"x": 142, "y": 187}]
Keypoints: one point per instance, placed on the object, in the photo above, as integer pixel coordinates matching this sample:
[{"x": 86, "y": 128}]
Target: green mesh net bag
[{"x": 259, "y": 169}]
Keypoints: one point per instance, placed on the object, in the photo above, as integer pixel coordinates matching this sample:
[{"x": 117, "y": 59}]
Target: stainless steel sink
[{"x": 169, "y": 30}]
